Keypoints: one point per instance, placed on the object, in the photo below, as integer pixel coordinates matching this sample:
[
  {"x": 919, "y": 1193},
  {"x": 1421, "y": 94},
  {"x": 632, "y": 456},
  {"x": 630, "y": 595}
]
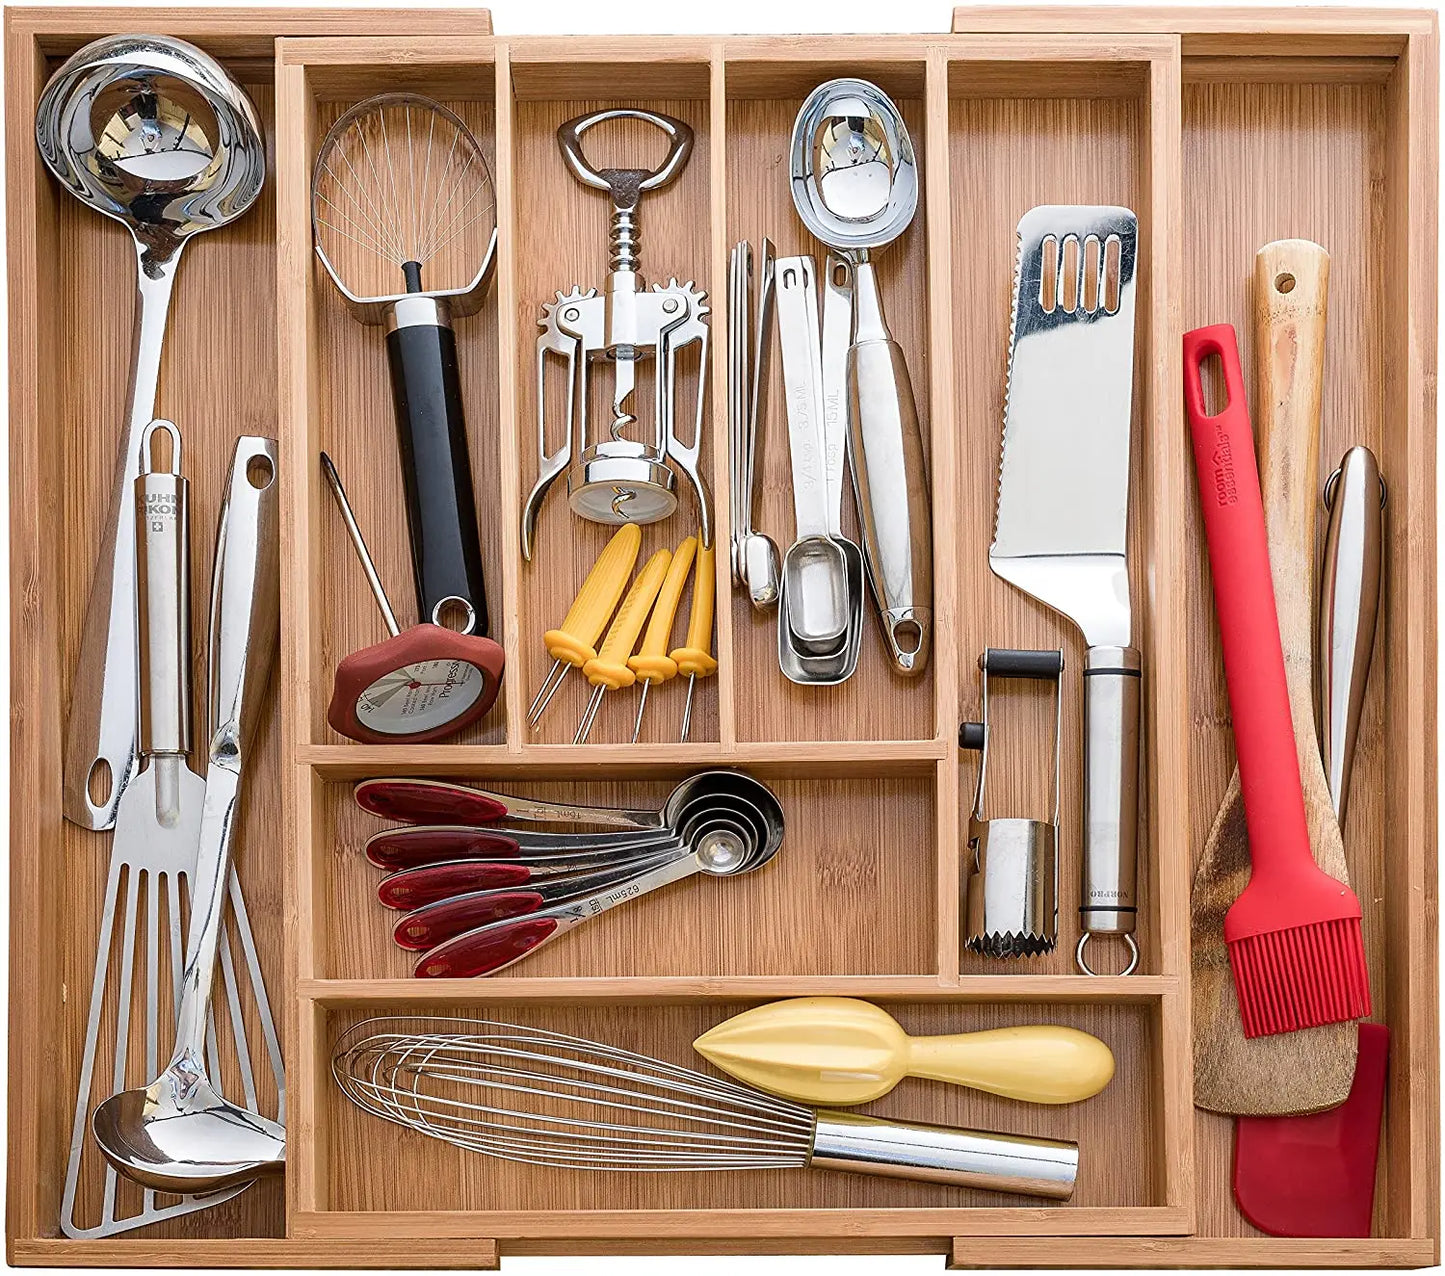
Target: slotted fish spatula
[{"x": 1063, "y": 509}]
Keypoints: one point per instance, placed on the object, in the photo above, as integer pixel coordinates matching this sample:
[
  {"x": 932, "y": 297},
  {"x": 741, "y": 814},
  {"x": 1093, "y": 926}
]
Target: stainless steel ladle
[{"x": 154, "y": 133}]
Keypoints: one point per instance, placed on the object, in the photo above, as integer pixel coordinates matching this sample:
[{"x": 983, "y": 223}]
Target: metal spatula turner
[
  {"x": 140, "y": 955},
  {"x": 1063, "y": 509}
]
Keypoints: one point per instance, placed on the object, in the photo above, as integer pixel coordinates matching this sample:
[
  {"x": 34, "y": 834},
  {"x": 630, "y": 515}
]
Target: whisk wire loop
[
  {"x": 593, "y": 1106},
  {"x": 401, "y": 184}
]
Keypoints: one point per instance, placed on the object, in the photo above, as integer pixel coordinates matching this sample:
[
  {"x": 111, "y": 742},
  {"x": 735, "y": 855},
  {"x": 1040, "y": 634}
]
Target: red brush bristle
[{"x": 1301, "y": 977}]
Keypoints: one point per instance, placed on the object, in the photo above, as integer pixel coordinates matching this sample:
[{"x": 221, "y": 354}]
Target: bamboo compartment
[{"x": 1222, "y": 129}]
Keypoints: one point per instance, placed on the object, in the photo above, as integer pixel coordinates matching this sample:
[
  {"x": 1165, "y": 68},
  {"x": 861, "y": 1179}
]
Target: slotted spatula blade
[{"x": 1063, "y": 492}]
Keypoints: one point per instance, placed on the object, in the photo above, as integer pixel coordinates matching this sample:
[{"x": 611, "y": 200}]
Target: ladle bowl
[
  {"x": 153, "y": 132},
  {"x": 178, "y": 1135}
]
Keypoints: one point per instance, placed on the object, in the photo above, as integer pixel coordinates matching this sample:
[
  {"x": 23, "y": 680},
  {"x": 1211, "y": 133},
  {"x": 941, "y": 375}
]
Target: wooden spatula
[{"x": 1312, "y": 1069}]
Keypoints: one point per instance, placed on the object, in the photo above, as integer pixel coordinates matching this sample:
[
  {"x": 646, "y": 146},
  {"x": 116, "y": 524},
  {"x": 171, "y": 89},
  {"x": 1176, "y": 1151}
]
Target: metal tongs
[{"x": 754, "y": 554}]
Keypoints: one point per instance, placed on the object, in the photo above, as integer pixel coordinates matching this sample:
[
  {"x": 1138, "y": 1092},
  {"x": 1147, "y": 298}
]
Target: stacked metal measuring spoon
[
  {"x": 820, "y": 602},
  {"x": 476, "y": 898}
]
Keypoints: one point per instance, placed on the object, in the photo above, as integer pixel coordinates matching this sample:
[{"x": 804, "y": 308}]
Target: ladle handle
[
  {"x": 101, "y": 730},
  {"x": 890, "y": 479},
  {"x": 431, "y": 431},
  {"x": 245, "y": 606}
]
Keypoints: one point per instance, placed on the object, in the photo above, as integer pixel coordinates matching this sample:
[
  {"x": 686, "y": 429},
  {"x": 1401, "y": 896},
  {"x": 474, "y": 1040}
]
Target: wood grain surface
[
  {"x": 218, "y": 365},
  {"x": 1015, "y": 153},
  {"x": 1291, "y": 125},
  {"x": 1312, "y": 1069},
  {"x": 874, "y": 704},
  {"x": 1314, "y": 157}
]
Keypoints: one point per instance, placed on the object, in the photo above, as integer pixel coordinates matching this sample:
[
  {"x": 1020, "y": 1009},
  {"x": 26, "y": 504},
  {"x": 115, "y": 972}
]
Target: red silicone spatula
[
  {"x": 1294, "y": 938},
  {"x": 1315, "y": 1175}
]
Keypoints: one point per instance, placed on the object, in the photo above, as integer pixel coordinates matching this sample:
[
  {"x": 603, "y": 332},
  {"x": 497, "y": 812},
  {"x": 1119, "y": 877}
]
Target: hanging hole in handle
[
  {"x": 260, "y": 472},
  {"x": 160, "y": 448},
  {"x": 1130, "y": 944},
  {"x": 907, "y": 637},
  {"x": 454, "y": 613},
  {"x": 842, "y": 273},
  {"x": 1215, "y": 392},
  {"x": 1284, "y": 282},
  {"x": 99, "y": 784}
]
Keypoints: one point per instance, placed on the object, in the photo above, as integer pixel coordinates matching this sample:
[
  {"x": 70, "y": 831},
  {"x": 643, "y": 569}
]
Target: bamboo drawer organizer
[{"x": 1223, "y": 129}]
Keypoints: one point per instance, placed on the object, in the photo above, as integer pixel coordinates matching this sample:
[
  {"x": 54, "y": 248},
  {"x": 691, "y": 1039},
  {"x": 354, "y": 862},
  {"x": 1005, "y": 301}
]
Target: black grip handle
[
  {"x": 441, "y": 509},
  {"x": 1008, "y": 662}
]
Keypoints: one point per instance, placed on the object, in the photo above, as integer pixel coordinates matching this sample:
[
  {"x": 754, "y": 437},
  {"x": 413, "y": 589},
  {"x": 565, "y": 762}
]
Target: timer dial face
[{"x": 420, "y": 696}]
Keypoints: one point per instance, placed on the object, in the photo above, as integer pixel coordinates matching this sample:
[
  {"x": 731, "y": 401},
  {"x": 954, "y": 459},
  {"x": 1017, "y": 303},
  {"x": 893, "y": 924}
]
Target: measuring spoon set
[{"x": 476, "y": 898}]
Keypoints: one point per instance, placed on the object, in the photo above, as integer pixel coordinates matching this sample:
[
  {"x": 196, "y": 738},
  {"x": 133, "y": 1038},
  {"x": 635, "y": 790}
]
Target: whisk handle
[{"x": 431, "y": 429}]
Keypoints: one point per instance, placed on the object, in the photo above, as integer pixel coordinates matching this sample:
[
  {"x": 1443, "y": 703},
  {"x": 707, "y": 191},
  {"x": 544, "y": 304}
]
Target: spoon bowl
[
  {"x": 815, "y": 572},
  {"x": 758, "y": 554},
  {"x": 179, "y": 1135},
  {"x": 854, "y": 172},
  {"x": 152, "y": 132}
]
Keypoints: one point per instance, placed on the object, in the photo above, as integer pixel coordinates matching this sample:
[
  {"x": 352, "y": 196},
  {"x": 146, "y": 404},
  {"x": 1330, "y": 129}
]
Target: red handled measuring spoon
[
  {"x": 411, "y": 888},
  {"x": 415, "y": 845},
  {"x": 425, "y": 684}
]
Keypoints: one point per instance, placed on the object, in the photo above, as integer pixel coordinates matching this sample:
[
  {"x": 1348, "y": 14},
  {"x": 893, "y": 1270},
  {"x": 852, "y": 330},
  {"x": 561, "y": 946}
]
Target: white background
[{"x": 654, "y": 16}]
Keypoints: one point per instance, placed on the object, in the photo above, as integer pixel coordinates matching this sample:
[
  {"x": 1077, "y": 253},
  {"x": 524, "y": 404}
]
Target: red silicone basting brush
[{"x": 1294, "y": 938}]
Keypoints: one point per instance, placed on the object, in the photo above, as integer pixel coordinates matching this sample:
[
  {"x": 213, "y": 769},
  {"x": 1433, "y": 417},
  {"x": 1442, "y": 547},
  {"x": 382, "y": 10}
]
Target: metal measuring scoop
[
  {"x": 855, "y": 185},
  {"x": 154, "y": 133}
]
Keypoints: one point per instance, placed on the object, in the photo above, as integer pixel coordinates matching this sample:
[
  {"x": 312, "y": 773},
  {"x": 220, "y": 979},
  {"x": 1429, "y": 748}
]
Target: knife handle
[
  {"x": 1107, "y": 902},
  {"x": 245, "y": 603},
  {"x": 1349, "y": 603}
]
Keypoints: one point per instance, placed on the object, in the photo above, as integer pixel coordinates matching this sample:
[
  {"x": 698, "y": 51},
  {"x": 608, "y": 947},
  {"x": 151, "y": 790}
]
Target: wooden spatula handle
[{"x": 1291, "y": 293}]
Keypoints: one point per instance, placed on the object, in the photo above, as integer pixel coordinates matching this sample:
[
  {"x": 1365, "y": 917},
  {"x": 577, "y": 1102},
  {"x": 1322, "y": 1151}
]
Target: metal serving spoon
[
  {"x": 179, "y": 1134},
  {"x": 152, "y": 132},
  {"x": 855, "y": 186}
]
